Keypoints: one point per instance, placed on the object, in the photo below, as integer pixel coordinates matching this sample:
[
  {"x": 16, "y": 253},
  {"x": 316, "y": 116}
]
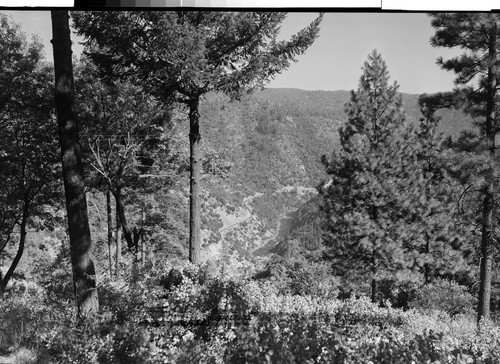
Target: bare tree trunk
[
  {"x": 110, "y": 231},
  {"x": 20, "y": 250},
  {"x": 374, "y": 284},
  {"x": 488, "y": 228},
  {"x": 195, "y": 174},
  {"x": 118, "y": 233},
  {"x": 486, "y": 248},
  {"x": 427, "y": 267},
  {"x": 84, "y": 276},
  {"x": 143, "y": 243},
  {"x": 120, "y": 209},
  {"x": 143, "y": 253}
]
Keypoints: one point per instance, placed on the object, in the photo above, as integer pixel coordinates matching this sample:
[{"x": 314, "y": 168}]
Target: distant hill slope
[
  {"x": 273, "y": 140},
  {"x": 276, "y": 137},
  {"x": 331, "y": 104}
]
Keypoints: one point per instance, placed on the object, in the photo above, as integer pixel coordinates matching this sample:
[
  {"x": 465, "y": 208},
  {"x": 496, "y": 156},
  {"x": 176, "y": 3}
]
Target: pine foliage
[
  {"x": 384, "y": 197},
  {"x": 476, "y": 71}
]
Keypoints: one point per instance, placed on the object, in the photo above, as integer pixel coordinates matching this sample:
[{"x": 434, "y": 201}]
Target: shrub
[
  {"x": 24, "y": 356},
  {"x": 209, "y": 318},
  {"x": 446, "y": 296},
  {"x": 293, "y": 274},
  {"x": 396, "y": 294}
]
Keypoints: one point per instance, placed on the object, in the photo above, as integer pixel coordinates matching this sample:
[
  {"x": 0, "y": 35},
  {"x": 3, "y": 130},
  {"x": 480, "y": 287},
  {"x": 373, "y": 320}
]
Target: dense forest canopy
[{"x": 158, "y": 206}]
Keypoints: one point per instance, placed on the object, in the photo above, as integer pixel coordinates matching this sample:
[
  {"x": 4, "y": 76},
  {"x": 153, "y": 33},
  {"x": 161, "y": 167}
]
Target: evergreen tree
[
  {"x": 183, "y": 55},
  {"x": 477, "y": 84},
  {"x": 390, "y": 205},
  {"x": 372, "y": 177},
  {"x": 445, "y": 250}
]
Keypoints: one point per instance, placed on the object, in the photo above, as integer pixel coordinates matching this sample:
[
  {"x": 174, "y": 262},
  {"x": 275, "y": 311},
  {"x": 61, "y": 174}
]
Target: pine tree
[
  {"x": 477, "y": 73},
  {"x": 366, "y": 199},
  {"x": 443, "y": 237},
  {"x": 390, "y": 205},
  {"x": 183, "y": 55}
]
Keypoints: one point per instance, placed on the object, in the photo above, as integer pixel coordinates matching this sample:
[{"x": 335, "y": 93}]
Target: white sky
[{"x": 334, "y": 61}]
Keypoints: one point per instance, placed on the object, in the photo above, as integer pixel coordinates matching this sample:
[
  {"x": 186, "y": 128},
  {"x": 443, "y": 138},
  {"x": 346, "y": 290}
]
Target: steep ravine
[{"x": 243, "y": 235}]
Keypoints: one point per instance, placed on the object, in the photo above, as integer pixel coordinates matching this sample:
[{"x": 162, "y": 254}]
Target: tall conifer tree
[
  {"x": 183, "y": 55},
  {"x": 476, "y": 77},
  {"x": 390, "y": 204},
  {"x": 442, "y": 236},
  {"x": 366, "y": 199}
]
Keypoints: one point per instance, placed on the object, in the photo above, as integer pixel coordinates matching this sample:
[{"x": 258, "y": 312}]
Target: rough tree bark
[
  {"x": 143, "y": 243},
  {"x": 487, "y": 233},
  {"x": 195, "y": 174},
  {"x": 110, "y": 231},
  {"x": 120, "y": 210},
  {"x": 374, "y": 283},
  {"x": 483, "y": 312},
  {"x": 427, "y": 266},
  {"x": 118, "y": 244},
  {"x": 76, "y": 205}
]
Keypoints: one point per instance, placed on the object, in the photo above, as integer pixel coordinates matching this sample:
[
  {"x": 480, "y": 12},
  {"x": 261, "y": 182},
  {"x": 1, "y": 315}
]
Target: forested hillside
[
  {"x": 271, "y": 144},
  {"x": 159, "y": 205}
]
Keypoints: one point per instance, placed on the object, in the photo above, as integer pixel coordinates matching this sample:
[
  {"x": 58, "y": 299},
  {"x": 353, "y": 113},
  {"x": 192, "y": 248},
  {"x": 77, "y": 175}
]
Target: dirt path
[{"x": 248, "y": 214}]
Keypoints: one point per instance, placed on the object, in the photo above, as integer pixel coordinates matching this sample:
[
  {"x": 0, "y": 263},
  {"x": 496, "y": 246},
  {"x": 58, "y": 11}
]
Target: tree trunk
[
  {"x": 143, "y": 253},
  {"x": 488, "y": 228},
  {"x": 84, "y": 277},
  {"x": 137, "y": 237},
  {"x": 143, "y": 243},
  {"x": 20, "y": 249},
  {"x": 195, "y": 174},
  {"x": 118, "y": 234},
  {"x": 374, "y": 290},
  {"x": 427, "y": 266},
  {"x": 485, "y": 269},
  {"x": 374, "y": 285},
  {"x": 120, "y": 209},
  {"x": 110, "y": 231}
]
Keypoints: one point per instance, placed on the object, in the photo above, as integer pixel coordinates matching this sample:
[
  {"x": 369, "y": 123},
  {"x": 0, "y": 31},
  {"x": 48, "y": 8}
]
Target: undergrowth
[{"x": 211, "y": 319}]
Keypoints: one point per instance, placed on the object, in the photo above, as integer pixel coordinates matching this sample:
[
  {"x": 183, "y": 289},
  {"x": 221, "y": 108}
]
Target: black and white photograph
[{"x": 252, "y": 184}]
